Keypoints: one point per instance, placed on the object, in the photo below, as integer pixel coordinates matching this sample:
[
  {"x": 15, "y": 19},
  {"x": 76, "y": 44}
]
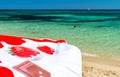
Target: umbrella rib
[{"x": 71, "y": 70}]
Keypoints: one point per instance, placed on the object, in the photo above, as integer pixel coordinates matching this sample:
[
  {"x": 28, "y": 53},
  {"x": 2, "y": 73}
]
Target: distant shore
[{"x": 100, "y": 67}]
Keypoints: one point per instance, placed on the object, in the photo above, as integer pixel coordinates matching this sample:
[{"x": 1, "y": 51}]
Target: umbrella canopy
[{"x": 28, "y": 57}]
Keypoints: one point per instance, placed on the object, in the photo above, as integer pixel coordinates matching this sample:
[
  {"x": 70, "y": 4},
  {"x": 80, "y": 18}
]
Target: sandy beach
[{"x": 100, "y": 67}]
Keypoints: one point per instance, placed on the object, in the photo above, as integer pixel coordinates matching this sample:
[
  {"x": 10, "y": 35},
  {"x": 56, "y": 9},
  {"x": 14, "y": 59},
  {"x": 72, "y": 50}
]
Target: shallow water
[{"x": 95, "y": 32}]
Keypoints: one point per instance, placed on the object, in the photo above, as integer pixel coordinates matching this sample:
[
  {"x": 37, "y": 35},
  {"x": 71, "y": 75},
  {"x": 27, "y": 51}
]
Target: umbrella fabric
[{"x": 29, "y": 57}]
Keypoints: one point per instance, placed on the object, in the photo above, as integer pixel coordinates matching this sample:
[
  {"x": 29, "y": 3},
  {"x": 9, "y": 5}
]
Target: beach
[
  {"x": 96, "y": 33},
  {"x": 100, "y": 67}
]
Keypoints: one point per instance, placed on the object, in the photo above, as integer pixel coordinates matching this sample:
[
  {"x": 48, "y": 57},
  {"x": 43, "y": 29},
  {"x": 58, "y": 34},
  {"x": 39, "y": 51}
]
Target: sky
[{"x": 59, "y": 4}]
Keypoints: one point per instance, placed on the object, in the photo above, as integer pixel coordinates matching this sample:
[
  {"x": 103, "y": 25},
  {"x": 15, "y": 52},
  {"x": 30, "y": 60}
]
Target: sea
[{"x": 94, "y": 32}]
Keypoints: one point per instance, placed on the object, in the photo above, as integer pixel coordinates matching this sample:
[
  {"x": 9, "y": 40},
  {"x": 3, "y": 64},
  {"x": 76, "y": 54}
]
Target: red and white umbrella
[{"x": 28, "y": 57}]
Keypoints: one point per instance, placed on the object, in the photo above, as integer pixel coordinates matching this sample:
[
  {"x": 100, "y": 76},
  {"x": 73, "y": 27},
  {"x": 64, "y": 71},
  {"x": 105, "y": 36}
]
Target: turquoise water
[{"x": 96, "y": 32}]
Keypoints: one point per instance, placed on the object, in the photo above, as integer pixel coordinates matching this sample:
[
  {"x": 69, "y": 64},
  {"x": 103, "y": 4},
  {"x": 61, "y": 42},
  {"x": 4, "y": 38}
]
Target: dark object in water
[{"x": 74, "y": 26}]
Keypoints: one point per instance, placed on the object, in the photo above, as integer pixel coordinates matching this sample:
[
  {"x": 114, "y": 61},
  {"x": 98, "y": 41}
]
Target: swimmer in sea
[{"x": 74, "y": 26}]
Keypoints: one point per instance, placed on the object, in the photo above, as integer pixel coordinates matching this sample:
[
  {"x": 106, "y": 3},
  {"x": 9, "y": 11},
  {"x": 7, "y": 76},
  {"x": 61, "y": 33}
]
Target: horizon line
[{"x": 63, "y": 9}]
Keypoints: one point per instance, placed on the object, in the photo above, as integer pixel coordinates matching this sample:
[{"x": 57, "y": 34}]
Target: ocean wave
[{"x": 87, "y": 54}]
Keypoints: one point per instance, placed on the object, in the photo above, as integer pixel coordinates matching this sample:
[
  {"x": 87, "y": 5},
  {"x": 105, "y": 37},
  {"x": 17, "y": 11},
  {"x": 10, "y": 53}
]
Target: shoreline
[{"x": 93, "y": 66}]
